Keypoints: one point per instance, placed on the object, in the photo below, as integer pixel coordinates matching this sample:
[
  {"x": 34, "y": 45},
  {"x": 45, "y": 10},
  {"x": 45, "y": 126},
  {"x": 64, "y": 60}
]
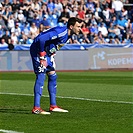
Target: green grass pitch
[{"x": 98, "y": 102}]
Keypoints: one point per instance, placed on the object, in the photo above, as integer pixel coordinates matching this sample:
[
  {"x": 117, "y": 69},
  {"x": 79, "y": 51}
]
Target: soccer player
[{"x": 42, "y": 51}]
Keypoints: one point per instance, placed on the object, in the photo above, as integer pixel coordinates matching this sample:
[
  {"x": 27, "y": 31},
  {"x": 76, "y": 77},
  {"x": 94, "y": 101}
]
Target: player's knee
[
  {"x": 40, "y": 78},
  {"x": 39, "y": 83},
  {"x": 52, "y": 80},
  {"x": 52, "y": 77}
]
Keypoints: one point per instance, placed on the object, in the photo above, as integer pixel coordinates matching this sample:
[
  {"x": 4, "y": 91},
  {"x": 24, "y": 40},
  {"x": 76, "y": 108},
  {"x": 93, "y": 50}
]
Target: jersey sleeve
[
  {"x": 54, "y": 36},
  {"x": 44, "y": 38}
]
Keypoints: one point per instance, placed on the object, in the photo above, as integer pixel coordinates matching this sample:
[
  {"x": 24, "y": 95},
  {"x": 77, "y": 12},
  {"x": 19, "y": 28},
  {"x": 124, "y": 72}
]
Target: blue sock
[
  {"x": 52, "y": 88},
  {"x": 38, "y": 87}
]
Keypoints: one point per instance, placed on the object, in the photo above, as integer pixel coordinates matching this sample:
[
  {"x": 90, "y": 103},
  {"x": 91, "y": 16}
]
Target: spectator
[
  {"x": 45, "y": 23},
  {"x": 114, "y": 20},
  {"x": 94, "y": 28},
  {"x": 117, "y": 32},
  {"x": 58, "y": 7},
  {"x": 6, "y": 36},
  {"x": 30, "y": 40},
  {"x": 73, "y": 12},
  {"x": 15, "y": 5},
  {"x": 36, "y": 20},
  {"x": 65, "y": 3},
  {"x": 41, "y": 28},
  {"x": 98, "y": 13},
  {"x": 5, "y": 3},
  {"x": 125, "y": 13},
  {"x": 2, "y": 22},
  {"x": 74, "y": 39},
  {"x": 101, "y": 38},
  {"x": 10, "y": 22},
  {"x": 33, "y": 30},
  {"x": 117, "y": 6},
  {"x": 127, "y": 39},
  {"x": 81, "y": 12},
  {"x": 1, "y": 31},
  {"x": 10, "y": 45},
  {"x": 40, "y": 14},
  {"x": 16, "y": 30},
  {"x": 54, "y": 20},
  {"x": 3, "y": 43},
  {"x": 15, "y": 14},
  {"x": 44, "y": 9},
  {"x": 111, "y": 40},
  {"x": 106, "y": 15},
  {"x": 111, "y": 30},
  {"x": 21, "y": 17},
  {"x": 103, "y": 4},
  {"x": 93, "y": 20},
  {"x": 24, "y": 5},
  {"x": 117, "y": 41},
  {"x": 26, "y": 29},
  {"x": 98, "y": 38},
  {"x": 35, "y": 6},
  {"x": 92, "y": 11},
  {"x": 51, "y": 6},
  {"x": 85, "y": 29},
  {"x": 64, "y": 16},
  {"x": 103, "y": 30},
  {"x": 23, "y": 39},
  {"x": 124, "y": 25},
  {"x": 90, "y": 5},
  {"x": 75, "y": 4},
  {"x": 14, "y": 38},
  {"x": 93, "y": 31},
  {"x": 7, "y": 13},
  {"x": 30, "y": 14}
]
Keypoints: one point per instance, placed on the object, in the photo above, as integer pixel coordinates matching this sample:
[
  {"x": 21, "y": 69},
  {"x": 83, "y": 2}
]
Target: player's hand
[{"x": 43, "y": 63}]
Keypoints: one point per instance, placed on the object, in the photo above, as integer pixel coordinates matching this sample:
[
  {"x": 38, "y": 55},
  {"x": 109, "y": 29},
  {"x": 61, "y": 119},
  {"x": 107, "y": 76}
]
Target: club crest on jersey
[{"x": 53, "y": 50}]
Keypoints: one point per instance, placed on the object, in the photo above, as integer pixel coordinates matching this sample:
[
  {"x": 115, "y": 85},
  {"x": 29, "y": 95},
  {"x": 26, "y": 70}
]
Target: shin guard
[
  {"x": 38, "y": 88},
  {"x": 52, "y": 88}
]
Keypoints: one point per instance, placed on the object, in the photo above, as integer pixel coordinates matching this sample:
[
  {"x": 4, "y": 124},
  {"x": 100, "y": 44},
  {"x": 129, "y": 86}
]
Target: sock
[
  {"x": 52, "y": 88},
  {"x": 38, "y": 87}
]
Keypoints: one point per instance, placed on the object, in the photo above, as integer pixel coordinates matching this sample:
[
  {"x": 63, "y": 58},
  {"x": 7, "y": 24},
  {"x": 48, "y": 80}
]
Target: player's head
[{"x": 74, "y": 25}]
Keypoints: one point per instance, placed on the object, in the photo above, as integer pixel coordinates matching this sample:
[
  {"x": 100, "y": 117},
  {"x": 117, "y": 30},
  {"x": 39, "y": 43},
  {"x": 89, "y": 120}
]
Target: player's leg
[
  {"x": 52, "y": 86},
  {"x": 38, "y": 86},
  {"x": 52, "y": 80}
]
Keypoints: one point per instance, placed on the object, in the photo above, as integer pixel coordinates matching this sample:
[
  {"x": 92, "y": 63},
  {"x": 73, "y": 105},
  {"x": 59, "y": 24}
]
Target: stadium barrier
[
  {"x": 89, "y": 59},
  {"x": 73, "y": 46}
]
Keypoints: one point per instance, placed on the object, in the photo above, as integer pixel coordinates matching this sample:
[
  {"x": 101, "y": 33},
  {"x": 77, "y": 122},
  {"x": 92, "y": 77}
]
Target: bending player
[{"x": 42, "y": 51}]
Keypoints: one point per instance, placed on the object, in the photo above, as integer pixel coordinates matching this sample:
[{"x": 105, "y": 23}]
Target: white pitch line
[
  {"x": 74, "y": 98},
  {"x": 9, "y": 131}
]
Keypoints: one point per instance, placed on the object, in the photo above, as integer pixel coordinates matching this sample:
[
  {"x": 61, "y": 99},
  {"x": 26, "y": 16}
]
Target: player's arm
[
  {"x": 42, "y": 53},
  {"x": 47, "y": 37}
]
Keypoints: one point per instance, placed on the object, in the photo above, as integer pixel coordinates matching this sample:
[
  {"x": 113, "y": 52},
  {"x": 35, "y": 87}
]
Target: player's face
[{"x": 77, "y": 28}]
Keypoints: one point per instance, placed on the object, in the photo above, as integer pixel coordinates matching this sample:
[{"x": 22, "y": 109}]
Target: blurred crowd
[{"x": 104, "y": 21}]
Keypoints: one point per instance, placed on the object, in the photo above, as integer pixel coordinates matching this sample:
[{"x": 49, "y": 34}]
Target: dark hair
[{"x": 72, "y": 21}]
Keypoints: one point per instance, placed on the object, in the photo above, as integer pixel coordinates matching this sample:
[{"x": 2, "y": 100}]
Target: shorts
[{"x": 38, "y": 69}]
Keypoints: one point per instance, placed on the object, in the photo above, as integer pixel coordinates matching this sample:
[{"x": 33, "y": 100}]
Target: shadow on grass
[{"x": 16, "y": 111}]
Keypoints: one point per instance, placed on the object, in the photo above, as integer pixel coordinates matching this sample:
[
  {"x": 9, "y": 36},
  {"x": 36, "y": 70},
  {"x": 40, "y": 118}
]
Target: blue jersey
[{"x": 49, "y": 40}]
